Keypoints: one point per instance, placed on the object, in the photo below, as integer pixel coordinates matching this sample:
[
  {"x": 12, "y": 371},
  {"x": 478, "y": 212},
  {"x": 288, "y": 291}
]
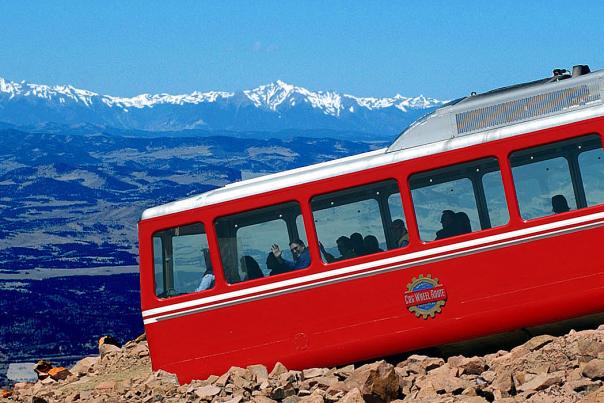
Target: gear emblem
[{"x": 425, "y": 296}]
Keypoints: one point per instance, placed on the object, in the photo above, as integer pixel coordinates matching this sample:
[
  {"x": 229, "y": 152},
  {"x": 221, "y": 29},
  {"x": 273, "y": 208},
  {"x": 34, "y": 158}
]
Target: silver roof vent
[{"x": 506, "y": 107}]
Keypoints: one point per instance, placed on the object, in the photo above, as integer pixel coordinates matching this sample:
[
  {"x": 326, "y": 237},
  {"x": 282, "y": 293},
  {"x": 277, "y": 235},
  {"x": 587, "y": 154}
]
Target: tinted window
[
  {"x": 558, "y": 177},
  {"x": 246, "y": 242},
  {"x": 459, "y": 199},
  {"x": 359, "y": 221},
  {"x": 591, "y": 164},
  {"x": 182, "y": 261}
]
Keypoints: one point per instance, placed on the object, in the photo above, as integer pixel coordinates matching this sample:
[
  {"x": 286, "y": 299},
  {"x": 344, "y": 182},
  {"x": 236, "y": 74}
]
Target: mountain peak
[{"x": 66, "y": 104}]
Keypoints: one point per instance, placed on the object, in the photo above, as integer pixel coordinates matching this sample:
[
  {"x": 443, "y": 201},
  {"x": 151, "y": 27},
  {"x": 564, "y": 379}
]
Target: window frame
[
  {"x": 574, "y": 168},
  {"x": 169, "y": 277},
  {"x": 383, "y": 207},
  {"x": 477, "y": 183},
  {"x": 292, "y": 233}
]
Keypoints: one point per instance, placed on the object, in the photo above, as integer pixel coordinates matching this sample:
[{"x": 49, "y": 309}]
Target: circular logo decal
[{"x": 425, "y": 297}]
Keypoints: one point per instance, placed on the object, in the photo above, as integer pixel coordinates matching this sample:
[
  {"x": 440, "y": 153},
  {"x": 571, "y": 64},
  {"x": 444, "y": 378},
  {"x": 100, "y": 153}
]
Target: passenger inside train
[
  {"x": 399, "y": 233},
  {"x": 453, "y": 224},
  {"x": 299, "y": 252},
  {"x": 559, "y": 204},
  {"x": 251, "y": 267}
]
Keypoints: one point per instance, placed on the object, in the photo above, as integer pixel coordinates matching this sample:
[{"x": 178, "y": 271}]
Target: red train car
[{"x": 485, "y": 216}]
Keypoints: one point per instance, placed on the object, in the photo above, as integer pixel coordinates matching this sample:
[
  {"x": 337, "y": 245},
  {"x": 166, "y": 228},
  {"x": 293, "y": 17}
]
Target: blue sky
[{"x": 443, "y": 49}]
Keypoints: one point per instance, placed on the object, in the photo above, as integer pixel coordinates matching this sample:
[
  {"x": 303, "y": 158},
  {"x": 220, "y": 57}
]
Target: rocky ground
[{"x": 544, "y": 369}]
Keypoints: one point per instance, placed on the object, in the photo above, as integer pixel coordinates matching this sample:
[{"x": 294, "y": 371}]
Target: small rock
[
  {"x": 59, "y": 373},
  {"x": 207, "y": 392},
  {"x": 105, "y": 349},
  {"x": 489, "y": 376},
  {"x": 471, "y": 366},
  {"x": 353, "y": 396},
  {"x": 259, "y": 372},
  {"x": 41, "y": 368},
  {"x": 291, "y": 399},
  {"x": 378, "y": 379},
  {"x": 85, "y": 365},
  {"x": 503, "y": 381},
  {"x": 344, "y": 372},
  {"x": 282, "y": 392},
  {"x": 165, "y": 376},
  {"x": 538, "y": 341},
  {"x": 594, "y": 369},
  {"x": 140, "y": 350},
  {"x": 278, "y": 370},
  {"x": 223, "y": 380},
  {"x": 314, "y": 372},
  {"x": 542, "y": 381}
]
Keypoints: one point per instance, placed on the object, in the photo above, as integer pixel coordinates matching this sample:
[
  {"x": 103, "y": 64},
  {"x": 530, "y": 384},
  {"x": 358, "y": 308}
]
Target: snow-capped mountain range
[{"x": 271, "y": 107}]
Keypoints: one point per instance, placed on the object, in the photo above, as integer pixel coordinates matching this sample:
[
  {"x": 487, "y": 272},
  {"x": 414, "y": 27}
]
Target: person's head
[
  {"x": 251, "y": 267},
  {"x": 447, "y": 219},
  {"x": 559, "y": 204},
  {"x": 398, "y": 229},
  {"x": 357, "y": 243},
  {"x": 344, "y": 245},
  {"x": 462, "y": 221},
  {"x": 297, "y": 247},
  {"x": 371, "y": 244}
]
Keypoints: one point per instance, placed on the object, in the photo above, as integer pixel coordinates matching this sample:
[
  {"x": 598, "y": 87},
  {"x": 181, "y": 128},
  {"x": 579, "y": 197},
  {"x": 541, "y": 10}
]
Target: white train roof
[{"x": 473, "y": 120}]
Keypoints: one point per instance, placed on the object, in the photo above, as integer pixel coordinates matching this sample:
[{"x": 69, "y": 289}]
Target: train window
[
  {"x": 359, "y": 221},
  {"x": 459, "y": 199},
  {"x": 182, "y": 261},
  {"x": 246, "y": 242},
  {"x": 495, "y": 203},
  {"x": 537, "y": 183},
  {"x": 558, "y": 177},
  {"x": 591, "y": 163}
]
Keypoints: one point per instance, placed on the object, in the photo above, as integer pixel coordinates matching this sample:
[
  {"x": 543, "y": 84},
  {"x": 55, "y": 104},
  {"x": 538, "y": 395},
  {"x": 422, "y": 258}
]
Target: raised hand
[{"x": 276, "y": 250}]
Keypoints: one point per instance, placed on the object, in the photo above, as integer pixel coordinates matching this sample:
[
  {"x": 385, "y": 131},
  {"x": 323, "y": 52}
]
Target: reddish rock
[
  {"x": 594, "y": 369},
  {"x": 109, "y": 340},
  {"x": 376, "y": 379},
  {"x": 59, "y": 373},
  {"x": 503, "y": 381},
  {"x": 5, "y": 393},
  {"x": 472, "y": 366}
]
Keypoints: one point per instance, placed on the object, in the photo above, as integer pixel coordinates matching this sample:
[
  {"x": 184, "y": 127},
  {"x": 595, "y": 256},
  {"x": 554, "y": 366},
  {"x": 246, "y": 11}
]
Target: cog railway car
[{"x": 485, "y": 216}]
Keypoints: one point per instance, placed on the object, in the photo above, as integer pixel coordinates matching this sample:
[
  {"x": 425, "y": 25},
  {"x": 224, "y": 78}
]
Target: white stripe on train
[{"x": 357, "y": 271}]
